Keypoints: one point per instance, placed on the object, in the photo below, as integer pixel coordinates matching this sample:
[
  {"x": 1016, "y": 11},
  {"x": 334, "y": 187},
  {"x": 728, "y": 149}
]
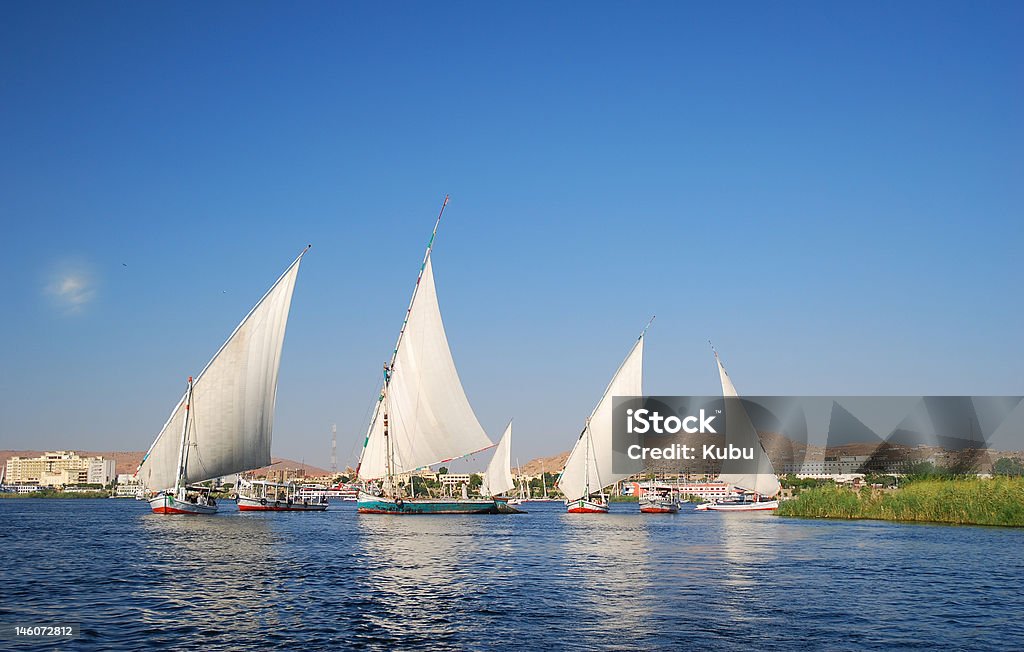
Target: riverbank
[
  {"x": 99, "y": 493},
  {"x": 972, "y": 501}
]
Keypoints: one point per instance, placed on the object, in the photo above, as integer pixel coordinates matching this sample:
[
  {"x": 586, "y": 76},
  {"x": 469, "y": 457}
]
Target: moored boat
[
  {"x": 265, "y": 496},
  {"x": 739, "y": 505},
  {"x": 657, "y": 504}
]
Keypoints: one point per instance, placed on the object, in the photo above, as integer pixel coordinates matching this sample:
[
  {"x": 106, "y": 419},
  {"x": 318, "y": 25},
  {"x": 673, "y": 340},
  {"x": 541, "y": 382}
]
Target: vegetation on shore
[
  {"x": 53, "y": 493},
  {"x": 965, "y": 501}
]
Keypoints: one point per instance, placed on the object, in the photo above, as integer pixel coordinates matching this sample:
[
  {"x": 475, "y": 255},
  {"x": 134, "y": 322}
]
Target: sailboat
[
  {"x": 757, "y": 485},
  {"x": 222, "y": 424},
  {"x": 522, "y": 487},
  {"x": 588, "y": 470},
  {"x": 498, "y": 476},
  {"x": 422, "y": 416}
]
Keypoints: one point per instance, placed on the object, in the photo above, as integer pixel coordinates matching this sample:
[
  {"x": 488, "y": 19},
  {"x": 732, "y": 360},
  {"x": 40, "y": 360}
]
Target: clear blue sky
[{"x": 833, "y": 194}]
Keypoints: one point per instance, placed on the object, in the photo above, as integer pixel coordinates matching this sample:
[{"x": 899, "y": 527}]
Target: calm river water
[{"x": 544, "y": 580}]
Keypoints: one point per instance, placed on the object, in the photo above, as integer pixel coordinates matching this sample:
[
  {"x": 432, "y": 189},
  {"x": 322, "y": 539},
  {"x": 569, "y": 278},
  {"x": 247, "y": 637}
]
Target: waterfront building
[
  {"x": 127, "y": 486},
  {"x": 707, "y": 490},
  {"x": 58, "y": 468},
  {"x": 831, "y": 465}
]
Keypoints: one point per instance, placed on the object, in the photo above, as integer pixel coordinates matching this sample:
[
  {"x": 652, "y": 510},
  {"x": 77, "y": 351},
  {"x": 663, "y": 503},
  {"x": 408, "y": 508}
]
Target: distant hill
[
  {"x": 285, "y": 463},
  {"x": 552, "y": 464}
]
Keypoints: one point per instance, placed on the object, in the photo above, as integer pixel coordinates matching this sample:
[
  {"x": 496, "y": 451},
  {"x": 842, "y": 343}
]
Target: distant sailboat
[
  {"x": 522, "y": 487},
  {"x": 498, "y": 477},
  {"x": 422, "y": 416},
  {"x": 588, "y": 470},
  {"x": 223, "y": 423},
  {"x": 758, "y": 480}
]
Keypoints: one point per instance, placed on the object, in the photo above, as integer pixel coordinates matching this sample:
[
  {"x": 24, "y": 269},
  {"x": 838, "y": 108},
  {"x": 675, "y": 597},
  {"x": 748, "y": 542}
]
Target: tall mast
[
  {"x": 586, "y": 460},
  {"x": 390, "y": 366},
  {"x": 423, "y": 265},
  {"x": 334, "y": 449},
  {"x": 183, "y": 449}
]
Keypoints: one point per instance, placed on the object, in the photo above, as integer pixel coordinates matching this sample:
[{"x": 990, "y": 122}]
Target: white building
[
  {"x": 58, "y": 468},
  {"x": 100, "y": 471}
]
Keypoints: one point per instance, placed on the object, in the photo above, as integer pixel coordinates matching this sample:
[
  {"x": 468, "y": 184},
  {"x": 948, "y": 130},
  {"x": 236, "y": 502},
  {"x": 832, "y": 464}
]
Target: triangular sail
[
  {"x": 498, "y": 477},
  {"x": 589, "y": 467},
  {"x": 233, "y": 400},
  {"x": 758, "y": 476},
  {"x": 430, "y": 419}
]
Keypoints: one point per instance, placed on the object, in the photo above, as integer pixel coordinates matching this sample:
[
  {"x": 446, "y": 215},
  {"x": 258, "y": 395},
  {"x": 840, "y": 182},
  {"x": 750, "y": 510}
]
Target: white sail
[
  {"x": 233, "y": 399},
  {"x": 589, "y": 467},
  {"x": 429, "y": 417},
  {"x": 758, "y": 476},
  {"x": 498, "y": 477}
]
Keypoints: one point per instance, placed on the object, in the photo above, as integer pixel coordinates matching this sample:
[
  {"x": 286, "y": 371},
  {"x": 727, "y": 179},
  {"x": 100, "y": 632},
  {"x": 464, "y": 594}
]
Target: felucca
[
  {"x": 588, "y": 470},
  {"x": 755, "y": 482},
  {"x": 422, "y": 416},
  {"x": 223, "y": 423}
]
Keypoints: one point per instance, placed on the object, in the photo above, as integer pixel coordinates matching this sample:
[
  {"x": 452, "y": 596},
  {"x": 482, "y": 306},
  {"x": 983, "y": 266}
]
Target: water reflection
[
  {"x": 608, "y": 560},
  {"x": 213, "y": 573},
  {"x": 421, "y": 576},
  {"x": 748, "y": 550}
]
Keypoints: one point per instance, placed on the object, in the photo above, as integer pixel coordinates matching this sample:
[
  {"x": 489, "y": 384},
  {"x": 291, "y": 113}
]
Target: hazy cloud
[{"x": 72, "y": 288}]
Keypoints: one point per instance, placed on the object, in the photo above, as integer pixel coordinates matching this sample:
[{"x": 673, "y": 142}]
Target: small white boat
[
  {"x": 265, "y": 496},
  {"x": 739, "y": 506},
  {"x": 589, "y": 505},
  {"x": 184, "y": 500}
]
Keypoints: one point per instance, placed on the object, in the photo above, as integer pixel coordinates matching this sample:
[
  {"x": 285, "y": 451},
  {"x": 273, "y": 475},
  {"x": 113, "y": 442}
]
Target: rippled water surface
[{"x": 544, "y": 580}]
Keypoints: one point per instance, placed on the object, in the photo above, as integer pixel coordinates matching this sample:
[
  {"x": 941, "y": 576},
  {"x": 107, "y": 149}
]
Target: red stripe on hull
[
  {"x": 657, "y": 510},
  {"x": 171, "y": 510},
  {"x": 586, "y": 510}
]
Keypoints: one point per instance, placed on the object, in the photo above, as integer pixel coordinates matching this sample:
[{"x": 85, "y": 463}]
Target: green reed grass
[{"x": 967, "y": 501}]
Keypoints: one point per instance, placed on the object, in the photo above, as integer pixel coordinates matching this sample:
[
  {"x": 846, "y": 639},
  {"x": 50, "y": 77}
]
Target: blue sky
[{"x": 830, "y": 193}]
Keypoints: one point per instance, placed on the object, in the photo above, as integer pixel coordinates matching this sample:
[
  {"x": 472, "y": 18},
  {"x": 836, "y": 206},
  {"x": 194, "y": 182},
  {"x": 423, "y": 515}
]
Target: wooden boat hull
[
  {"x": 368, "y": 504},
  {"x": 167, "y": 504},
  {"x": 659, "y": 508},
  {"x": 759, "y": 506},
  {"x": 246, "y": 504},
  {"x": 585, "y": 506}
]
